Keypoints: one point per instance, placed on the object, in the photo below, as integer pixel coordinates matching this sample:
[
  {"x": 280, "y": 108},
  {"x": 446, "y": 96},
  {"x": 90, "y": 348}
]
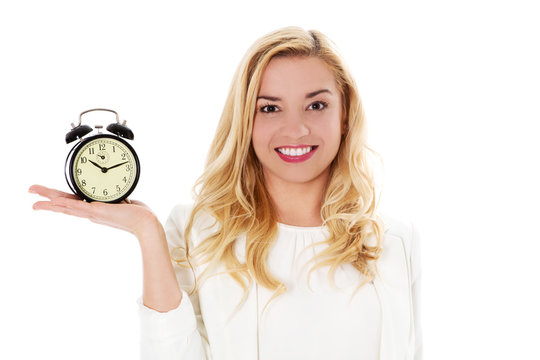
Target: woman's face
[{"x": 297, "y": 127}]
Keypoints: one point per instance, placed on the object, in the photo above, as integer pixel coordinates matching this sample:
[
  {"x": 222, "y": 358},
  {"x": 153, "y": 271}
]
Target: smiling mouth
[{"x": 296, "y": 151}]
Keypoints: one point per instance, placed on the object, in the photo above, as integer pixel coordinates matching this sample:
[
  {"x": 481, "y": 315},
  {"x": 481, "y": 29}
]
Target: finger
[
  {"x": 50, "y": 193},
  {"x": 71, "y": 203},
  {"x": 51, "y": 206},
  {"x": 94, "y": 211}
]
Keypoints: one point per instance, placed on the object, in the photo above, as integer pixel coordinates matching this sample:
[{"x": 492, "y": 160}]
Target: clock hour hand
[
  {"x": 103, "y": 169},
  {"x": 117, "y": 165}
]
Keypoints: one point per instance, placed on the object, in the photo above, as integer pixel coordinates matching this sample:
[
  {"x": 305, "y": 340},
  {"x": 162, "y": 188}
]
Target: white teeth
[{"x": 295, "y": 151}]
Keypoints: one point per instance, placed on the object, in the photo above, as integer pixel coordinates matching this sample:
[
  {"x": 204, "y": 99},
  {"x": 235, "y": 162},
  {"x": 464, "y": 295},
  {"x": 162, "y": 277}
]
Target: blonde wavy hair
[{"x": 232, "y": 188}]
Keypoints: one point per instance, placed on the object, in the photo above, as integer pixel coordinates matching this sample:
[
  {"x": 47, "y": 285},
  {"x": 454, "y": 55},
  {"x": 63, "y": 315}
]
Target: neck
[{"x": 297, "y": 204}]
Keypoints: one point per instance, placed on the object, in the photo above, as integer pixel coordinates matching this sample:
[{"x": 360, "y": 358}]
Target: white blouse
[
  {"x": 318, "y": 323},
  {"x": 325, "y": 323}
]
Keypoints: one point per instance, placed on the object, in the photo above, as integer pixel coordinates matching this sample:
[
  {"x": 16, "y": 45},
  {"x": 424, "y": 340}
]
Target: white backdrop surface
[{"x": 451, "y": 93}]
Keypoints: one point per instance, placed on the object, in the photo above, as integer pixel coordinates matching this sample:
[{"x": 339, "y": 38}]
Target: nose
[{"x": 296, "y": 126}]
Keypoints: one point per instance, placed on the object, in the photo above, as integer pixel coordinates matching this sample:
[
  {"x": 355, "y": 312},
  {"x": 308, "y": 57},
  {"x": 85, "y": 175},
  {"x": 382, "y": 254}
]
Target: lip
[{"x": 297, "y": 159}]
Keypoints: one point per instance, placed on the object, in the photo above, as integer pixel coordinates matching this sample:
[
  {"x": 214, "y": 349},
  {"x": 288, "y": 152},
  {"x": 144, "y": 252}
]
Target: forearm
[{"x": 161, "y": 291}]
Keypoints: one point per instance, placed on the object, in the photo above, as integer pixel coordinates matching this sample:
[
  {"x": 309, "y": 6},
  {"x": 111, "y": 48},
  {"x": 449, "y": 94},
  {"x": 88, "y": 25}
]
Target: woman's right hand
[
  {"x": 161, "y": 291},
  {"x": 132, "y": 216}
]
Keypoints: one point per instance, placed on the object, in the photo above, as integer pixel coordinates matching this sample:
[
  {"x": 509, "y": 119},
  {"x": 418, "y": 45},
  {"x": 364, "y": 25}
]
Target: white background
[{"x": 451, "y": 92}]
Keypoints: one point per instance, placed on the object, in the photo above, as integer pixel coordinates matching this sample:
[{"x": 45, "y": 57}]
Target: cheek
[
  {"x": 259, "y": 137},
  {"x": 331, "y": 129}
]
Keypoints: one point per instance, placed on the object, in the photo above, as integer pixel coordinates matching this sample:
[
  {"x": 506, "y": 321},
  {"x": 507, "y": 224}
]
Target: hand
[
  {"x": 161, "y": 291},
  {"x": 117, "y": 165},
  {"x": 103, "y": 169},
  {"x": 132, "y": 216}
]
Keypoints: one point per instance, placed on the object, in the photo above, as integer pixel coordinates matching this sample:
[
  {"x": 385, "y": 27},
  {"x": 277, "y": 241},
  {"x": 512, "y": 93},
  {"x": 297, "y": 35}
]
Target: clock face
[{"x": 104, "y": 168}]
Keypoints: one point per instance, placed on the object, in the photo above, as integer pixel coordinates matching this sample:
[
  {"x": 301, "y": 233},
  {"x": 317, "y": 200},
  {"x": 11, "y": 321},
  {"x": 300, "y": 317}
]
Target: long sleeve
[
  {"x": 178, "y": 333},
  {"x": 416, "y": 291}
]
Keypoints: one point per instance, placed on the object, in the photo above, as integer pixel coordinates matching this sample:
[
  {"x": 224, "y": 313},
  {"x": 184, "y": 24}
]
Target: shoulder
[
  {"x": 399, "y": 229},
  {"x": 179, "y": 217},
  {"x": 180, "y": 213}
]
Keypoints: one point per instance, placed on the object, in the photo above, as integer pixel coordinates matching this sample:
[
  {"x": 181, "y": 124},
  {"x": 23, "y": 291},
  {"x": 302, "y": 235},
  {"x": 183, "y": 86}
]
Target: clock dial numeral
[
  {"x": 79, "y": 171},
  {"x": 124, "y": 156},
  {"x": 83, "y": 182},
  {"x": 84, "y": 159},
  {"x": 101, "y": 147},
  {"x": 93, "y": 189},
  {"x": 118, "y": 188},
  {"x": 91, "y": 151}
]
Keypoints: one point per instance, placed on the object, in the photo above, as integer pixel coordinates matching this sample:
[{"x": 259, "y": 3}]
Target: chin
[{"x": 297, "y": 176}]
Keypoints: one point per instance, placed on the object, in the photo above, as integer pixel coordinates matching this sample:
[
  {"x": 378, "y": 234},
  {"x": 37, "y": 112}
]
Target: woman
[{"x": 286, "y": 184}]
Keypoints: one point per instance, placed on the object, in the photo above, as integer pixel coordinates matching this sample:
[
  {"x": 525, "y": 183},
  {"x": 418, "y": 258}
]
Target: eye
[
  {"x": 318, "y": 106},
  {"x": 269, "y": 108}
]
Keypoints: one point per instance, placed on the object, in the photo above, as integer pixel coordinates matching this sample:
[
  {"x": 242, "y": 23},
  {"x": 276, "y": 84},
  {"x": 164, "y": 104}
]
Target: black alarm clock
[{"x": 102, "y": 167}]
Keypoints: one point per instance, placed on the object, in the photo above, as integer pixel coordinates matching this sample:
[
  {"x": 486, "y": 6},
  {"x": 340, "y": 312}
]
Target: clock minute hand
[
  {"x": 117, "y": 165},
  {"x": 103, "y": 169}
]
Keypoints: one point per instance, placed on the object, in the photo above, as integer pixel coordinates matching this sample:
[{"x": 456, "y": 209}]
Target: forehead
[{"x": 285, "y": 75}]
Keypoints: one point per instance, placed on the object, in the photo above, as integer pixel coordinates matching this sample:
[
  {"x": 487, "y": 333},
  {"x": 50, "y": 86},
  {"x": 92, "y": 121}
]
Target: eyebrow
[{"x": 308, "y": 95}]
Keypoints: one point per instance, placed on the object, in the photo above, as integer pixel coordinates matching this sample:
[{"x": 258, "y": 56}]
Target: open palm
[{"x": 131, "y": 216}]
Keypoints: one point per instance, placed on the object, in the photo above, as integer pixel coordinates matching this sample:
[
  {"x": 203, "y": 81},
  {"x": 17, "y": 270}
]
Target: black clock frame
[{"x": 70, "y": 160}]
